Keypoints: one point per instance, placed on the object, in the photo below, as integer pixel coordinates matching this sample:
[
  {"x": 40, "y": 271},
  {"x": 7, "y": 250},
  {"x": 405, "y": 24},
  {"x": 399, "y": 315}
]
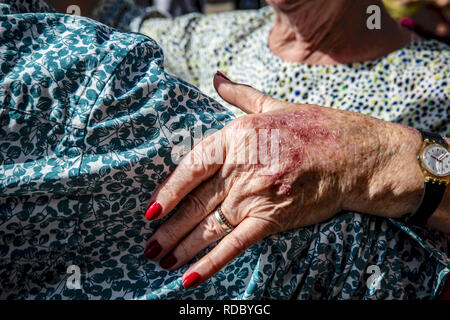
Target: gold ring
[{"x": 226, "y": 226}]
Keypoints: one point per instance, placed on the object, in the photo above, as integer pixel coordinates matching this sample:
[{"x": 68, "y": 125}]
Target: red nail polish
[
  {"x": 220, "y": 74},
  {"x": 153, "y": 210},
  {"x": 168, "y": 262},
  {"x": 408, "y": 22},
  {"x": 152, "y": 250},
  {"x": 192, "y": 280}
]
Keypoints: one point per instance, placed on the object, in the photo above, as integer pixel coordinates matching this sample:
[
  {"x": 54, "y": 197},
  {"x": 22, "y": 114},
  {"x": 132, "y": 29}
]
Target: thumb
[{"x": 244, "y": 97}]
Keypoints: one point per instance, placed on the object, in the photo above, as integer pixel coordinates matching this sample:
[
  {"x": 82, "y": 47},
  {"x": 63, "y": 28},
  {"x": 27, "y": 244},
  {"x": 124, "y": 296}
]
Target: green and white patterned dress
[{"x": 87, "y": 122}]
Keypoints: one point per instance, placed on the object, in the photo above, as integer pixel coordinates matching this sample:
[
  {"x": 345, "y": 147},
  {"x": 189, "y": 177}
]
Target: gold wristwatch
[{"x": 434, "y": 160}]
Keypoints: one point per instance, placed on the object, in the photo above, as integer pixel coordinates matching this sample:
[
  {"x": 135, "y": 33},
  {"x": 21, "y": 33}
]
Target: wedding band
[{"x": 226, "y": 226}]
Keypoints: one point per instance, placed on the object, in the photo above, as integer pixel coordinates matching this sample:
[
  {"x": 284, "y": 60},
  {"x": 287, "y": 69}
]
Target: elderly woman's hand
[{"x": 282, "y": 167}]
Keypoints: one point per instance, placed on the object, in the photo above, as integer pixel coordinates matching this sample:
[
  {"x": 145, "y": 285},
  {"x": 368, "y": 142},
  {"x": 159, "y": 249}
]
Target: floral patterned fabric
[{"x": 88, "y": 120}]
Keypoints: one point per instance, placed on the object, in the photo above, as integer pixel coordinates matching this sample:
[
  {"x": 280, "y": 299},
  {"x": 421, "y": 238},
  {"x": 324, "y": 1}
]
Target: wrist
[{"x": 396, "y": 183}]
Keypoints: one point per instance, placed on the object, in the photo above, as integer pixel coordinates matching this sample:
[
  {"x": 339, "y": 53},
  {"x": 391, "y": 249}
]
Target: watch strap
[
  {"x": 433, "y": 137},
  {"x": 432, "y": 193},
  {"x": 431, "y": 198}
]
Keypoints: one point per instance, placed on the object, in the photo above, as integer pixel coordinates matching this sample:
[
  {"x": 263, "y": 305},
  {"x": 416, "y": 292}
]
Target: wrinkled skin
[{"x": 329, "y": 160}]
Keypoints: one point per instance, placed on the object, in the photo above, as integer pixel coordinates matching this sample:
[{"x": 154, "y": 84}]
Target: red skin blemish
[{"x": 298, "y": 130}]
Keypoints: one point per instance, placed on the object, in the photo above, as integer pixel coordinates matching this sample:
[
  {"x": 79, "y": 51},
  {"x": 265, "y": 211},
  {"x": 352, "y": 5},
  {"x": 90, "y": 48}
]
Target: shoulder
[
  {"x": 235, "y": 23},
  {"x": 60, "y": 36},
  {"x": 218, "y": 26},
  {"x": 70, "y": 58}
]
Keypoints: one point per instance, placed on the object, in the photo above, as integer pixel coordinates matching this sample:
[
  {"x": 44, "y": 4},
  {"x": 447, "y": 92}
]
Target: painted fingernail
[
  {"x": 192, "y": 280},
  {"x": 408, "y": 22},
  {"x": 153, "y": 210},
  {"x": 153, "y": 249},
  {"x": 220, "y": 74},
  {"x": 168, "y": 262}
]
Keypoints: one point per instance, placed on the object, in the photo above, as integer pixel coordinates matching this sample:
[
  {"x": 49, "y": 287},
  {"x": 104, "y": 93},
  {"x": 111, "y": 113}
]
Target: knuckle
[
  {"x": 238, "y": 123},
  {"x": 167, "y": 193},
  {"x": 237, "y": 243},
  {"x": 195, "y": 163},
  {"x": 170, "y": 235},
  {"x": 194, "y": 206},
  {"x": 212, "y": 263},
  {"x": 260, "y": 101},
  {"x": 183, "y": 251},
  {"x": 242, "y": 128},
  {"x": 211, "y": 229}
]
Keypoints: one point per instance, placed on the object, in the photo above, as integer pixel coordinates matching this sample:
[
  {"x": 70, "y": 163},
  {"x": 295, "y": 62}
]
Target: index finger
[
  {"x": 247, "y": 233},
  {"x": 202, "y": 162}
]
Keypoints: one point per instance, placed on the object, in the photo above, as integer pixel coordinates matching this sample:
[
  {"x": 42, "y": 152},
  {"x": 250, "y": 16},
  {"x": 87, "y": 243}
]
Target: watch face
[{"x": 436, "y": 159}]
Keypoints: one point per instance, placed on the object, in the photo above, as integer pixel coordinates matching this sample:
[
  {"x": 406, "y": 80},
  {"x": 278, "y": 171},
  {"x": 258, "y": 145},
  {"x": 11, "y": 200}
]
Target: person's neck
[{"x": 328, "y": 32}]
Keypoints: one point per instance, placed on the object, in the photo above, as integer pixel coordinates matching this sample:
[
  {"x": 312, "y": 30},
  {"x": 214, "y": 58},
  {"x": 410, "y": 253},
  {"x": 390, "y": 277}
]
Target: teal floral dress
[{"x": 88, "y": 120}]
